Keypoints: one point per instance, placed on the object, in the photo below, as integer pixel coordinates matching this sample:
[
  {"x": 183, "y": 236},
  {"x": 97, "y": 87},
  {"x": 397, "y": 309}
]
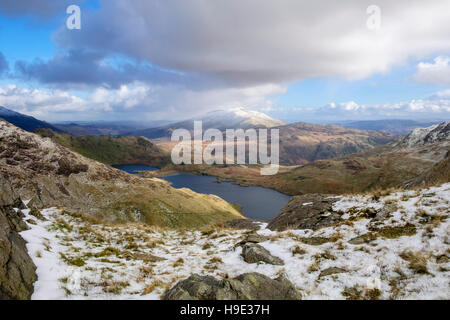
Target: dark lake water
[
  {"x": 130, "y": 168},
  {"x": 257, "y": 202}
]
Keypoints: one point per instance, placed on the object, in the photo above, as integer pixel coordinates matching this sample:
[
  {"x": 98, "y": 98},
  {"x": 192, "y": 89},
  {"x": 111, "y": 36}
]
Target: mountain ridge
[{"x": 25, "y": 122}]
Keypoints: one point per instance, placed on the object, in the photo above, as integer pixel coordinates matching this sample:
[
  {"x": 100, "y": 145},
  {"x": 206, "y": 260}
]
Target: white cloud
[
  {"x": 40, "y": 102},
  {"x": 435, "y": 73},
  {"x": 434, "y": 107}
]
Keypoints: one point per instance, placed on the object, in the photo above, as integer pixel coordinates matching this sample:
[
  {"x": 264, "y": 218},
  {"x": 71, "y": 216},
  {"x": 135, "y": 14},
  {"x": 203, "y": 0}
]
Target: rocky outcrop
[
  {"x": 310, "y": 211},
  {"x": 248, "y": 286},
  {"x": 255, "y": 253},
  {"x": 50, "y": 175},
  {"x": 423, "y": 136},
  {"x": 17, "y": 270}
]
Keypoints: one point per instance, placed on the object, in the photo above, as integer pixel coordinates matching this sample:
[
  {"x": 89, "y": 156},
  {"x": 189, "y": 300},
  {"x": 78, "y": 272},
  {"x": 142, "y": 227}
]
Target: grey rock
[
  {"x": 17, "y": 270},
  {"x": 252, "y": 238},
  {"x": 254, "y": 253},
  {"x": 310, "y": 211},
  {"x": 35, "y": 203},
  {"x": 15, "y": 218},
  {"x": 385, "y": 212},
  {"x": 362, "y": 239},
  {"x": 37, "y": 214},
  {"x": 248, "y": 286},
  {"x": 242, "y": 224},
  {"x": 330, "y": 271}
]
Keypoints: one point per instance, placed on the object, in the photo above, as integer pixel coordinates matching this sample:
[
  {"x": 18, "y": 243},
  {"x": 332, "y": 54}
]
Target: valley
[{"x": 367, "y": 225}]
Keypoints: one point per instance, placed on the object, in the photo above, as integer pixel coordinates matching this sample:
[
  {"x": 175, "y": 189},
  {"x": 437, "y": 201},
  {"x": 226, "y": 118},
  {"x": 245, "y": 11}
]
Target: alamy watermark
[
  {"x": 74, "y": 19},
  {"x": 374, "y": 20},
  {"x": 236, "y": 146}
]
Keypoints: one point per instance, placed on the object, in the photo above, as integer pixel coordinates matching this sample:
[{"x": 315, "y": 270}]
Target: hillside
[
  {"x": 303, "y": 142},
  {"x": 51, "y": 175},
  {"x": 112, "y": 150}
]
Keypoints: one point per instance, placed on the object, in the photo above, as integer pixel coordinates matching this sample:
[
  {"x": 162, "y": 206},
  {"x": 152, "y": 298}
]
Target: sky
[{"x": 316, "y": 61}]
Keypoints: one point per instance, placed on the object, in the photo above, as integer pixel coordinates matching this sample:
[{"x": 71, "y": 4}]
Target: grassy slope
[{"x": 111, "y": 150}]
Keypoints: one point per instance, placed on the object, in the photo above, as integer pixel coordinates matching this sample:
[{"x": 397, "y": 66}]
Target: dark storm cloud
[
  {"x": 89, "y": 68},
  {"x": 3, "y": 64}
]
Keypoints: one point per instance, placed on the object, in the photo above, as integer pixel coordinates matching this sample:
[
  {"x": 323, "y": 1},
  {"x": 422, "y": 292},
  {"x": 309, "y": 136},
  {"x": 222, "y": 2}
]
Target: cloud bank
[{"x": 167, "y": 58}]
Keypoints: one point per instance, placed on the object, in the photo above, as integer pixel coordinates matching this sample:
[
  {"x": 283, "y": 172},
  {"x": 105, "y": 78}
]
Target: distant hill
[
  {"x": 237, "y": 118},
  {"x": 402, "y": 127},
  {"x": 101, "y": 128},
  {"x": 25, "y": 122}
]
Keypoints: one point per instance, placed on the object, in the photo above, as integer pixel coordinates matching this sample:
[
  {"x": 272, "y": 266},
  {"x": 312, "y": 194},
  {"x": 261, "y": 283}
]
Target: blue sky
[{"x": 127, "y": 62}]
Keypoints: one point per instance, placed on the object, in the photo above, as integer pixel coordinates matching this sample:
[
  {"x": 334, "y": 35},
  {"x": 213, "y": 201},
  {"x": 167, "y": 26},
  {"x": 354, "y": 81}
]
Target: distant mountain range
[
  {"x": 237, "y": 118},
  {"x": 299, "y": 142},
  {"x": 25, "y": 122},
  {"x": 108, "y": 128},
  {"x": 402, "y": 127}
]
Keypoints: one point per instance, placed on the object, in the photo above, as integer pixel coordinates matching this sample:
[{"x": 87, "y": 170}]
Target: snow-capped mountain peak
[{"x": 240, "y": 117}]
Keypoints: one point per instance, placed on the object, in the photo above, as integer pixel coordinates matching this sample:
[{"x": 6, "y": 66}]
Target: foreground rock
[
  {"x": 248, "y": 286},
  {"x": 310, "y": 211},
  {"x": 17, "y": 270},
  {"x": 254, "y": 253}
]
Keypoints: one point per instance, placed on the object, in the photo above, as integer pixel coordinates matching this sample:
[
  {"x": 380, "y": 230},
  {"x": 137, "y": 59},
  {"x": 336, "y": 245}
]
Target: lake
[{"x": 257, "y": 203}]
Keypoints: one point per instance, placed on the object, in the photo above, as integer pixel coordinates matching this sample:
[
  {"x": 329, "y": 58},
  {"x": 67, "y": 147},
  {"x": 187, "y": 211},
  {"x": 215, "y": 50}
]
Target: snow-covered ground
[{"x": 403, "y": 255}]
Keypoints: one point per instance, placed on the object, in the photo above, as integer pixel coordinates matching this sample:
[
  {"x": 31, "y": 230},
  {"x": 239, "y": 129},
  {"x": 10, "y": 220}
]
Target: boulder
[
  {"x": 248, "y": 286},
  {"x": 254, "y": 253},
  {"x": 309, "y": 211},
  {"x": 242, "y": 224}
]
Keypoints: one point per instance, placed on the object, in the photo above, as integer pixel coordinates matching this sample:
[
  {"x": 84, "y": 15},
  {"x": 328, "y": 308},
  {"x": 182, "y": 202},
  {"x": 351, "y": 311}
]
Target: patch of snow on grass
[{"x": 405, "y": 255}]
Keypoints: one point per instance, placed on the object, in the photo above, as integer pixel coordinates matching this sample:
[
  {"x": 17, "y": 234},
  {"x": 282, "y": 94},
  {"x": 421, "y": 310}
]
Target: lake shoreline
[{"x": 257, "y": 202}]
